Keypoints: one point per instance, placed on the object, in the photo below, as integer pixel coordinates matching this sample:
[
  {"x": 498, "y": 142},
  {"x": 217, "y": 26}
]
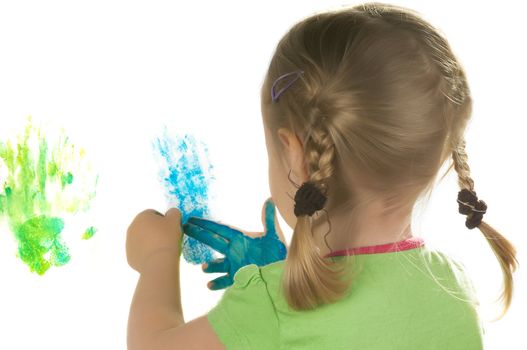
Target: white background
[{"x": 113, "y": 72}]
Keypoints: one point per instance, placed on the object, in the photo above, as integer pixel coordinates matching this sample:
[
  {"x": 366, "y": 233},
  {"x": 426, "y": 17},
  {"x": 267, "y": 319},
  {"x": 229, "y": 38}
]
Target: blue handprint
[{"x": 239, "y": 248}]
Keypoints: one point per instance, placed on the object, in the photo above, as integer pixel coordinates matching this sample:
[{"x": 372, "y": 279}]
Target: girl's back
[{"x": 413, "y": 298}]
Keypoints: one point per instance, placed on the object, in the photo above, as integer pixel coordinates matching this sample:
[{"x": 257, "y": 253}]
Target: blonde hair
[{"x": 382, "y": 100}]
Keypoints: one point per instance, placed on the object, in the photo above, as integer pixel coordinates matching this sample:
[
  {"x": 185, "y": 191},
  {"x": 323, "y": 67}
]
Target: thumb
[
  {"x": 269, "y": 218},
  {"x": 174, "y": 216}
]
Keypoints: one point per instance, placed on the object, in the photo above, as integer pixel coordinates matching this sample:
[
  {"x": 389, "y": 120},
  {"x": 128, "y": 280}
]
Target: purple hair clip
[{"x": 274, "y": 95}]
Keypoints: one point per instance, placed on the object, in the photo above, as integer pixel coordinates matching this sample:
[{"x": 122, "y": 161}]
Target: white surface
[{"x": 112, "y": 72}]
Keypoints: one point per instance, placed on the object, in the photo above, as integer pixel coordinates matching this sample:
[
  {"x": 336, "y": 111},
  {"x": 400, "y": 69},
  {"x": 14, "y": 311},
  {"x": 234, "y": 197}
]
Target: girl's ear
[
  {"x": 284, "y": 136},
  {"x": 294, "y": 152}
]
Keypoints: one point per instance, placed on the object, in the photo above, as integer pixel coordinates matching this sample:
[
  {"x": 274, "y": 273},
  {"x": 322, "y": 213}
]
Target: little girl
[{"x": 361, "y": 108}]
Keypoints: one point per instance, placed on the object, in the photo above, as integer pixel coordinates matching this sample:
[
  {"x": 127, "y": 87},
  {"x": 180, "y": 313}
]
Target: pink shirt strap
[{"x": 409, "y": 243}]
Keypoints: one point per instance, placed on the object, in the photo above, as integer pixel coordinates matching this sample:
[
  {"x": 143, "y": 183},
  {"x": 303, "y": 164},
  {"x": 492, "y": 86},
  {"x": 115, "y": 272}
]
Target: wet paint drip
[
  {"x": 38, "y": 187},
  {"x": 186, "y": 174}
]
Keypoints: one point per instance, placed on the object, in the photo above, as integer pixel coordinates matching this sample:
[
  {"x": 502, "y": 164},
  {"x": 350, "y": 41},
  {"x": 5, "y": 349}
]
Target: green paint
[
  {"x": 66, "y": 179},
  {"x": 38, "y": 236},
  {"x": 52, "y": 169},
  {"x": 38, "y": 191},
  {"x": 90, "y": 231}
]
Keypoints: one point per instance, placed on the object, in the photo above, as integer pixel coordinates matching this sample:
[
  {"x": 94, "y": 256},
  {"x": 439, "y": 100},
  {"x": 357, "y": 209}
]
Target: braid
[
  {"x": 504, "y": 250},
  {"x": 309, "y": 279},
  {"x": 468, "y": 201},
  {"x": 461, "y": 165},
  {"x": 319, "y": 148},
  {"x": 320, "y": 153}
]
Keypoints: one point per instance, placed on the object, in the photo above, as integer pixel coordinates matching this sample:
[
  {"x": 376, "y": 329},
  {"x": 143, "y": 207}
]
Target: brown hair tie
[
  {"x": 308, "y": 199},
  {"x": 469, "y": 204}
]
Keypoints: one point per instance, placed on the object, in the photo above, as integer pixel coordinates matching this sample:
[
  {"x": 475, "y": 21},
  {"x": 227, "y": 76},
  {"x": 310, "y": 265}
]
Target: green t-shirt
[{"x": 394, "y": 303}]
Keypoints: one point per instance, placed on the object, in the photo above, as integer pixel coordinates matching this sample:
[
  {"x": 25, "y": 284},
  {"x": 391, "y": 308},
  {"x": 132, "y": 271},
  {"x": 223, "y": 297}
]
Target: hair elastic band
[{"x": 470, "y": 205}]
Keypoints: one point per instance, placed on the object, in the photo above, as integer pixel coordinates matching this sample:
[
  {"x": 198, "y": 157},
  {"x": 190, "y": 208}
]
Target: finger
[
  {"x": 174, "y": 216},
  {"x": 141, "y": 217},
  {"x": 220, "y": 282},
  {"x": 211, "y": 239},
  {"x": 149, "y": 212},
  {"x": 220, "y": 229},
  {"x": 218, "y": 265}
]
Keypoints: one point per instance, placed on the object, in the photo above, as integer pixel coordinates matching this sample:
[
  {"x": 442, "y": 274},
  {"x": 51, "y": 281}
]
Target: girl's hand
[
  {"x": 150, "y": 233},
  {"x": 239, "y": 247}
]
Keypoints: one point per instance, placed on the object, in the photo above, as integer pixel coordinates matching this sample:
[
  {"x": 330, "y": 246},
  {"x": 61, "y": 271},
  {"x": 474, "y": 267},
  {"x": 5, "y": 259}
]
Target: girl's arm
[
  {"x": 156, "y": 321},
  {"x": 156, "y": 304}
]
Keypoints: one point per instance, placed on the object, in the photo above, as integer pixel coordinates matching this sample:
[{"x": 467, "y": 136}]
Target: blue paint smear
[{"x": 185, "y": 174}]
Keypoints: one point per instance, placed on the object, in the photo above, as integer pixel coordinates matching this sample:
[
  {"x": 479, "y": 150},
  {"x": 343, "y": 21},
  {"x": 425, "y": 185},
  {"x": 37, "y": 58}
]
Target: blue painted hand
[{"x": 239, "y": 247}]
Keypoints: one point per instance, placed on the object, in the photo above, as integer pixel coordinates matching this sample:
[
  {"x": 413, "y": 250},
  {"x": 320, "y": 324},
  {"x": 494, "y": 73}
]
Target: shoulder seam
[{"x": 273, "y": 303}]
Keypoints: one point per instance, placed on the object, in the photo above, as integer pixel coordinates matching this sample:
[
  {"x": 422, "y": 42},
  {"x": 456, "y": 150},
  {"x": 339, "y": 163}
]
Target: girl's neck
[{"x": 371, "y": 230}]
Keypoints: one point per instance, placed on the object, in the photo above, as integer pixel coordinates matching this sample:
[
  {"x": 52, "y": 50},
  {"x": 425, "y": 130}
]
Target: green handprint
[{"x": 37, "y": 187}]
